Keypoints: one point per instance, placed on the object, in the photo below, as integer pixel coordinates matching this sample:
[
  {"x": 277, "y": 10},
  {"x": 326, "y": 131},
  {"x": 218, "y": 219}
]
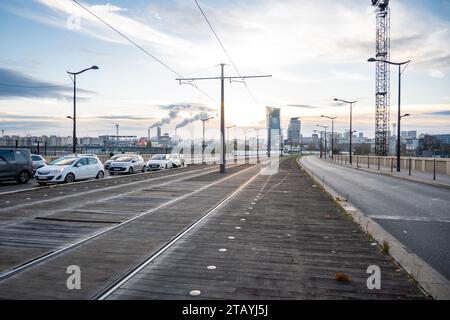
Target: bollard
[
  {"x": 192, "y": 153},
  {"x": 368, "y": 162},
  {"x": 410, "y": 160},
  {"x": 357, "y": 162},
  {"x": 378, "y": 163},
  {"x": 235, "y": 151},
  {"x": 434, "y": 169},
  {"x": 392, "y": 164}
]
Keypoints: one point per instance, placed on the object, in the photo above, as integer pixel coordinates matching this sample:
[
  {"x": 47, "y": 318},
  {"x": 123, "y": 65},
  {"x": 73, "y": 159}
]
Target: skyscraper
[{"x": 294, "y": 131}]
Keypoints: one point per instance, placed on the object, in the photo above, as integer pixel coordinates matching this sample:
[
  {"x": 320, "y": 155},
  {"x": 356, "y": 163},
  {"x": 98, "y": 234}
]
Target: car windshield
[
  {"x": 36, "y": 158},
  {"x": 116, "y": 157},
  {"x": 123, "y": 159},
  {"x": 64, "y": 162},
  {"x": 159, "y": 157}
]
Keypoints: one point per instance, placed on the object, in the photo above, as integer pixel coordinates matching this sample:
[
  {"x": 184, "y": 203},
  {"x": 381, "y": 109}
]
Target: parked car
[
  {"x": 114, "y": 158},
  {"x": 16, "y": 164},
  {"x": 71, "y": 168},
  {"x": 159, "y": 161},
  {"x": 177, "y": 160},
  {"x": 127, "y": 164},
  {"x": 38, "y": 161}
]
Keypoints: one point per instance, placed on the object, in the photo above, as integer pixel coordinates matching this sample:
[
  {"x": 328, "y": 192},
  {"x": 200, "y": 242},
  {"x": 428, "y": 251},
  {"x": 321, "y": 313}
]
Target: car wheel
[
  {"x": 143, "y": 169},
  {"x": 23, "y": 177},
  {"x": 100, "y": 175},
  {"x": 131, "y": 170},
  {"x": 69, "y": 178}
]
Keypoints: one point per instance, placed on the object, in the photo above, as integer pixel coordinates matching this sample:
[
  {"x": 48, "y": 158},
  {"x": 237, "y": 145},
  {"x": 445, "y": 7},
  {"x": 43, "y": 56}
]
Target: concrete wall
[{"x": 417, "y": 164}]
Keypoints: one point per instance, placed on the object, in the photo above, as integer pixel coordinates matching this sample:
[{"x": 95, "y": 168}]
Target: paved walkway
[{"x": 282, "y": 237}]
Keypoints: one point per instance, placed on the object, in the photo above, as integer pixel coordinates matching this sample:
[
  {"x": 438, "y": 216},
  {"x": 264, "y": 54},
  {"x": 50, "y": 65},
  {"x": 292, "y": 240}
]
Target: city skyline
[{"x": 43, "y": 39}]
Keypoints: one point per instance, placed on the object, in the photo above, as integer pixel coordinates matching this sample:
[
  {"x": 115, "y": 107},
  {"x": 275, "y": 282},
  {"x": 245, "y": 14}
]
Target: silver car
[
  {"x": 177, "y": 160},
  {"x": 38, "y": 162},
  {"x": 127, "y": 164}
]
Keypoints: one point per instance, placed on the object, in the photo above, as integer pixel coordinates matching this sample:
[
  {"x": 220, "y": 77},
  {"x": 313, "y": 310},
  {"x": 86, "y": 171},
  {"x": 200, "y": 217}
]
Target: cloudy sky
[{"x": 315, "y": 50}]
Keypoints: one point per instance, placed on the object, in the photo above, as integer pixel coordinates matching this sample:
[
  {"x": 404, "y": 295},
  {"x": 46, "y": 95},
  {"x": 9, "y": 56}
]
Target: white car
[
  {"x": 127, "y": 164},
  {"x": 159, "y": 161},
  {"x": 177, "y": 160},
  {"x": 69, "y": 169}
]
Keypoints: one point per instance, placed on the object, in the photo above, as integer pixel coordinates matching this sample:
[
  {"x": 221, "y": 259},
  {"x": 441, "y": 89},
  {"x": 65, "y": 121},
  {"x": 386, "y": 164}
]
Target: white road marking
[{"x": 406, "y": 218}]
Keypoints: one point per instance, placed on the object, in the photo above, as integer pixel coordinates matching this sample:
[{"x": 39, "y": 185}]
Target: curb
[
  {"x": 388, "y": 174},
  {"x": 429, "y": 280}
]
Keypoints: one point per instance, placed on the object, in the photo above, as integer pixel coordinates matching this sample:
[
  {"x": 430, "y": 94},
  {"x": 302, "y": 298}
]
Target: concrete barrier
[{"x": 427, "y": 165}]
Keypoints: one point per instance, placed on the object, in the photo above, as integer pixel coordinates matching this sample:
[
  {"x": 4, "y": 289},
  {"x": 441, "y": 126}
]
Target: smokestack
[{"x": 158, "y": 130}]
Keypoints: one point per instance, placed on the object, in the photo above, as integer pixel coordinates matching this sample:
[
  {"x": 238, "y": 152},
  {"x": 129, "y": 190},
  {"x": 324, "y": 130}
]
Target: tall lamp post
[
  {"x": 74, "y": 117},
  {"x": 351, "y": 123},
  {"x": 332, "y": 134},
  {"x": 325, "y": 127},
  {"x": 399, "y": 116},
  {"x": 203, "y": 140}
]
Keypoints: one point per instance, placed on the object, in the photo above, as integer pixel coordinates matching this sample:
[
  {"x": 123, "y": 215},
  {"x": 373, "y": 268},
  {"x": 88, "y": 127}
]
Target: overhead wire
[
  {"x": 165, "y": 65},
  {"x": 224, "y": 49}
]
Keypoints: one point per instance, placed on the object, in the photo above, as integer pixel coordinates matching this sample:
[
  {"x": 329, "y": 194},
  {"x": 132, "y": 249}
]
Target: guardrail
[{"x": 433, "y": 166}]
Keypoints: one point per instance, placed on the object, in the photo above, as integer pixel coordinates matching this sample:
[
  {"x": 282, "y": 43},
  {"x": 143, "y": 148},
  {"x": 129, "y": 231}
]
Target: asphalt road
[{"x": 418, "y": 215}]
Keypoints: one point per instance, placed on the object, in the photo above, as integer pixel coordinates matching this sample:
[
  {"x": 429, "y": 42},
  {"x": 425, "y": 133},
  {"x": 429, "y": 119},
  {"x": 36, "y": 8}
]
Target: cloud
[
  {"x": 439, "y": 113},
  {"x": 16, "y": 84},
  {"x": 126, "y": 117},
  {"x": 436, "y": 74},
  {"x": 302, "y": 106}
]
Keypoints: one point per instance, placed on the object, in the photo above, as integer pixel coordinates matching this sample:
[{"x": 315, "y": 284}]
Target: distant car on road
[
  {"x": 177, "y": 160},
  {"x": 69, "y": 169},
  {"x": 159, "y": 161},
  {"x": 38, "y": 162},
  {"x": 16, "y": 164},
  {"x": 127, "y": 164}
]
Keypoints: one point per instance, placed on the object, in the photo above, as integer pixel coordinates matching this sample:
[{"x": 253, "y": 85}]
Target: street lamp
[
  {"x": 332, "y": 134},
  {"x": 74, "y": 118},
  {"x": 400, "y": 72},
  {"x": 203, "y": 141},
  {"x": 351, "y": 123},
  {"x": 324, "y": 127}
]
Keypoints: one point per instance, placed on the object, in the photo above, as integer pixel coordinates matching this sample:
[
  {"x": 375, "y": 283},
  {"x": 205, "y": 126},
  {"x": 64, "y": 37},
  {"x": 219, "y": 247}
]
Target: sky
[{"x": 315, "y": 51}]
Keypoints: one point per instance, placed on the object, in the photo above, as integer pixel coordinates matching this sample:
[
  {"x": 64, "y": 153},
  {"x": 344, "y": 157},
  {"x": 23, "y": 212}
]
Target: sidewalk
[{"x": 417, "y": 176}]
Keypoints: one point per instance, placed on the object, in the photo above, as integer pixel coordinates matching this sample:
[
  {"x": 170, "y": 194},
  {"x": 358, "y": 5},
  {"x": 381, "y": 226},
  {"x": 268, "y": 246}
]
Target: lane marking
[{"x": 406, "y": 218}]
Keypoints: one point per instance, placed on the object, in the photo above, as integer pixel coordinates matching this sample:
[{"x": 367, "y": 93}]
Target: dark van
[{"x": 15, "y": 164}]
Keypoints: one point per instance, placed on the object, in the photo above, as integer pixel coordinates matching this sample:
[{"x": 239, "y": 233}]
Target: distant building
[
  {"x": 158, "y": 130},
  {"x": 273, "y": 123},
  {"x": 294, "y": 130},
  {"x": 412, "y": 134},
  {"x": 443, "y": 138}
]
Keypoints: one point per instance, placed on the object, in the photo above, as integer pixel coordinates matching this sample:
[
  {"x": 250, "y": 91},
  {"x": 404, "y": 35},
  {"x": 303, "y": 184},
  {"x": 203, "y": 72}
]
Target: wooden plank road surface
[{"x": 284, "y": 239}]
